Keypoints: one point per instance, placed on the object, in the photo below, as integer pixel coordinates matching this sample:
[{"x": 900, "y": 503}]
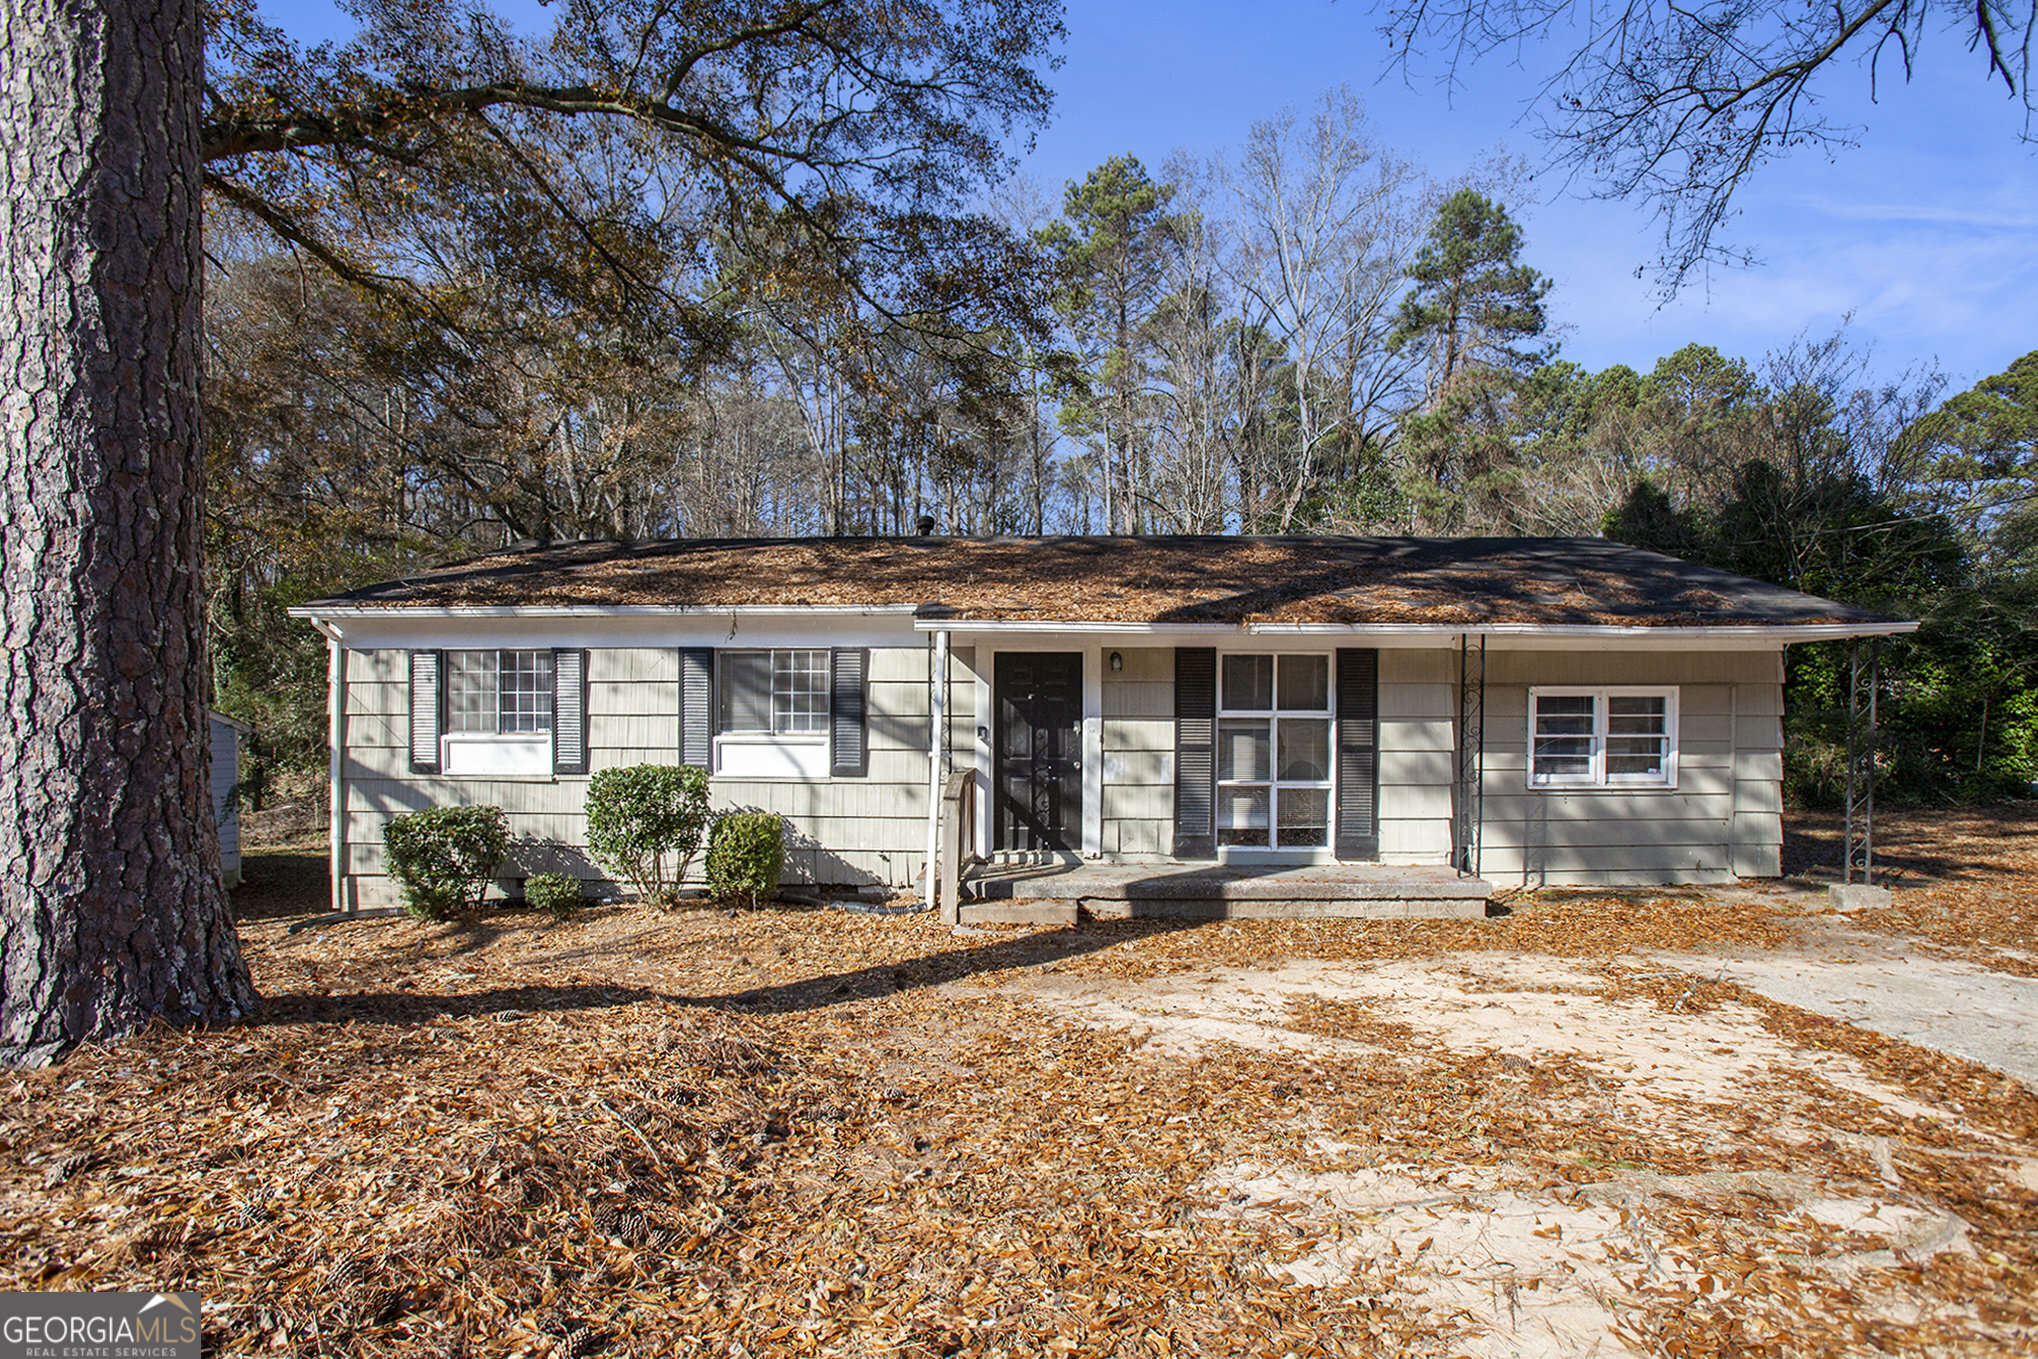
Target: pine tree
[
  {"x": 1475, "y": 306},
  {"x": 1474, "y": 301},
  {"x": 1113, "y": 243}
]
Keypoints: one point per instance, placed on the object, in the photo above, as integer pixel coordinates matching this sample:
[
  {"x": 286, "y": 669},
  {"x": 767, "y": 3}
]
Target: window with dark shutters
[
  {"x": 424, "y": 711},
  {"x": 696, "y": 706},
  {"x": 569, "y": 711},
  {"x": 1358, "y": 753},
  {"x": 848, "y": 718},
  {"x": 1195, "y": 751}
]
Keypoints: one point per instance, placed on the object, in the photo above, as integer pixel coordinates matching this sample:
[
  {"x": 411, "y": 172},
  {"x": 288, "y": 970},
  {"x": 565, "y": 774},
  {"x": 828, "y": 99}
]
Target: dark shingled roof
[{"x": 1456, "y": 581}]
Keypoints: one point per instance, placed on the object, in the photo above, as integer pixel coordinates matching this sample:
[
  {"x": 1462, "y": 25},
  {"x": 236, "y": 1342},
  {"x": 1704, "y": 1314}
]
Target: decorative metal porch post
[
  {"x": 1469, "y": 819},
  {"x": 1864, "y": 671}
]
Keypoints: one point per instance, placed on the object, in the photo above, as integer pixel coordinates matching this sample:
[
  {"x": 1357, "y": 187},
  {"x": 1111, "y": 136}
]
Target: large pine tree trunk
[{"x": 111, "y": 909}]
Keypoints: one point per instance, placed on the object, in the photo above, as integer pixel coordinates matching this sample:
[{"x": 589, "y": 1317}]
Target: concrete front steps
[{"x": 1065, "y": 893}]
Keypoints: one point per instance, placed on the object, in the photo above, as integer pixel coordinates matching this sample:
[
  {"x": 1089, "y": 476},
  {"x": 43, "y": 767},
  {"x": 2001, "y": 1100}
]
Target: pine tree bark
[{"x": 111, "y": 908}]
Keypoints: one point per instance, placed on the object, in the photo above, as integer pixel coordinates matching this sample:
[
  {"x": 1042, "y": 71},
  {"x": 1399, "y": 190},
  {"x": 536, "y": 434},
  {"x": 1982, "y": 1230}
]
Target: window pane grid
[
  {"x": 1598, "y": 738},
  {"x": 526, "y": 690},
  {"x": 498, "y": 693},
  {"x": 799, "y": 692},
  {"x": 470, "y": 692},
  {"x": 1273, "y": 755},
  {"x": 782, "y": 692}
]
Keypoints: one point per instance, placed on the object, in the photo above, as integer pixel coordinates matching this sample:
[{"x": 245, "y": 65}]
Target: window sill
[
  {"x": 1262, "y": 854},
  {"x": 510, "y": 758},
  {"x": 794, "y": 759}
]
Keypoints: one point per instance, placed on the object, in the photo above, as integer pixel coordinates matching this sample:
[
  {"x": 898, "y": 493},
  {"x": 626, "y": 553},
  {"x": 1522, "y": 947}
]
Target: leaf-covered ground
[
  {"x": 1963, "y": 877},
  {"x": 816, "y": 1131}
]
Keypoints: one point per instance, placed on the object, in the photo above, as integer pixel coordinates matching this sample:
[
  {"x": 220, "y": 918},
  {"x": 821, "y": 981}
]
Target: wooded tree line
[
  {"x": 585, "y": 263},
  {"x": 1308, "y": 334}
]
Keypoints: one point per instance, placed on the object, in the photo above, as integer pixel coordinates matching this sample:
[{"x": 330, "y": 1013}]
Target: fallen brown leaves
[
  {"x": 1964, "y": 877},
  {"x": 788, "y": 1132}
]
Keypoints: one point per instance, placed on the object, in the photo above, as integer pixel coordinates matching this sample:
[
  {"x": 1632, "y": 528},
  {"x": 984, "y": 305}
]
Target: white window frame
[
  {"x": 494, "y": 754},
  {"x": 1601, "y": 713},
  {"x": 1273, "y": 783},
  {"x": 774, "y": 754}
]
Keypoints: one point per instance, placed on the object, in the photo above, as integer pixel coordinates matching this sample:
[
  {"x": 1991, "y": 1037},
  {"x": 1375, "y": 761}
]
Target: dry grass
[{"x": 804, "y": 1131}]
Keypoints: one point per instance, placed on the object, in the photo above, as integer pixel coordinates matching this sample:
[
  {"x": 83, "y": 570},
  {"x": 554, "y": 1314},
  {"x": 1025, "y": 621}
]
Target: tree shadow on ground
[
  {"x": 282, "y": 884},
  {"x": 1814, "y": 843},
  {"x": 1035, "y": 949}
]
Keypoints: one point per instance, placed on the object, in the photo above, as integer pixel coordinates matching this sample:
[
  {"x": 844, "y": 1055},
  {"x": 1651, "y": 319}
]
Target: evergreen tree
[
  {"x": 1113, "y": 244},
  {"x": 1474, "y": 301},
  {"x": 1979, "y": 456},
  {"x": 1474, "y": 308}
]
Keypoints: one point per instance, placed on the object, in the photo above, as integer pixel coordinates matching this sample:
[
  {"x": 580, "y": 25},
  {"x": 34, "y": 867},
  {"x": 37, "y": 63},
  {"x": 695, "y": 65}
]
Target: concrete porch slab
[{"x": 1177, "y": 889}]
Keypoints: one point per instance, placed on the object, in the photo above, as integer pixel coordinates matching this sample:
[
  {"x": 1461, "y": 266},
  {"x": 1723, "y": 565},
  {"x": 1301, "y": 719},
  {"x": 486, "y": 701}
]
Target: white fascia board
[
  {"x": 364, "y": 629},
  {"x": 998, "y": 626},
  {"x": 316, "y": 611},
  {"x": 1502, "y": 636}
]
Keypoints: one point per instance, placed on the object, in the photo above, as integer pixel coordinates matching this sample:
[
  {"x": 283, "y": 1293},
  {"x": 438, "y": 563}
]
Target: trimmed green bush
[
  {"x": 746, "y": 854},
  {"x": 554, "y": 892},
  {"x": 443, "y": 857},
  {"x": 644, "y": 818}
]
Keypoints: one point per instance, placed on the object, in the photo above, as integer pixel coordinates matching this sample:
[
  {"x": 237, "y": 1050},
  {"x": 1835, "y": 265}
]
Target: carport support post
[
  {"x": 1469, "y": 820},
  {"x": 336, "y": 762},
  {"x": 937, "y": 694},
  {"x": 1864, "y": 670}
]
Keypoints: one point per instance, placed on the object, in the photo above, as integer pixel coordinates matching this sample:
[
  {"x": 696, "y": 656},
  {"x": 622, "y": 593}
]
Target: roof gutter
[
  {"x": 1747, "y": 632},
  {"x": 316, "y": 611},
  {"x": 925, "y": 620}
]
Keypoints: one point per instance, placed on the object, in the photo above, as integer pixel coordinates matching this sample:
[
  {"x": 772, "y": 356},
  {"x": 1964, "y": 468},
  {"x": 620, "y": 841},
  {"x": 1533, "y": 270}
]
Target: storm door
[{"x": 1039, "y": 755}]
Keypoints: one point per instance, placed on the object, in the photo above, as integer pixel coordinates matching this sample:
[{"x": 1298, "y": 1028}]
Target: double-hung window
[
  {"x": 1273, "y": 752},
  {"x": 499, "y": 708},
  {"x": 1602, "y": 738},
  {"x": 772, "y": 712}
]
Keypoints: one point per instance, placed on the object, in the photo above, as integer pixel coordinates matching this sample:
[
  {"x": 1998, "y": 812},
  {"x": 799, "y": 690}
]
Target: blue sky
[{"x": 1927, "y": 233}]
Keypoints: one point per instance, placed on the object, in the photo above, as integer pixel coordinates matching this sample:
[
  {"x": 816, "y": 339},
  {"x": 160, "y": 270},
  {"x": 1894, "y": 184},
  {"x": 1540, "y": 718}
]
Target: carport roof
[{"x": 1158, "y": 581}]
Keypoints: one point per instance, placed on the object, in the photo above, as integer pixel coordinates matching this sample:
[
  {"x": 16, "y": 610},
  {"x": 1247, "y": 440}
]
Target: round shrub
[
  {"x": 644, "y": 819},
  {"x": 746, "y": 854},
  {"x": 443, "y": 857},
  {"x": 554, "y": 892}
]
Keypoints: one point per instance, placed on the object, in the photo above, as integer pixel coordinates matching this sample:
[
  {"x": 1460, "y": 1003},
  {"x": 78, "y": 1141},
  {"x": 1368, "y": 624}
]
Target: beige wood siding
[
  {"x": 1139, "y": 752},
  {"x": 870, "y": 829},
  {"x": 1418, "y": 759},
  {"x": 1721, "y": 819}
]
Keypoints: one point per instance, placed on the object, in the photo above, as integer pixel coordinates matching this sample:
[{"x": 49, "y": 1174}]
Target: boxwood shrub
[
  {"x": 554, "y": 892},
  {"x": 746, "y": 854},
  {"x": 644, "y": 825},
  {"x": 443, "y": 857}
]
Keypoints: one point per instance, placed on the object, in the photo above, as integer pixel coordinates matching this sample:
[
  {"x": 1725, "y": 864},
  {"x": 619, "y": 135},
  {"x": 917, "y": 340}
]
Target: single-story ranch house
[{"x": 1534, "y": 710}]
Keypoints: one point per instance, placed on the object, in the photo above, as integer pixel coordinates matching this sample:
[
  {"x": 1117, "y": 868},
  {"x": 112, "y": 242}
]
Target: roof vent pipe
[{"x": 926, "y": 526}]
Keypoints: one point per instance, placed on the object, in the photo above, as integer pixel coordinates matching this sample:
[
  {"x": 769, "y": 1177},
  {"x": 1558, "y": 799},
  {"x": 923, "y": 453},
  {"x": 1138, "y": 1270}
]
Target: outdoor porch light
[{"x": 1117, "y": 661}]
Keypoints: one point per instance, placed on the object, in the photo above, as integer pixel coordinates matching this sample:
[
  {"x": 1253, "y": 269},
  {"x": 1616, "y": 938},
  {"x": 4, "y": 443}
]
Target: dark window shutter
[
  {"x": 696, "y": 703},
  {"x": 1358, "y": 753},
  {"x": 1195, "y": 751},
  {"x": 425, "y": 669},
  {"x": 569, "y": 711},
  {"x": 849, "y": 717}
]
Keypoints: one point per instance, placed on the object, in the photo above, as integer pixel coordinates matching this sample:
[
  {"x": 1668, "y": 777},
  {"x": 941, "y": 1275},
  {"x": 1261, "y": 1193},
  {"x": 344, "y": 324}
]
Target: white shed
[{"x": 226, "y": 773}]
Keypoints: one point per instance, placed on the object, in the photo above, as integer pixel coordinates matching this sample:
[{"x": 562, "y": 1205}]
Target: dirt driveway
[{"x": 1582, "y": 1129}]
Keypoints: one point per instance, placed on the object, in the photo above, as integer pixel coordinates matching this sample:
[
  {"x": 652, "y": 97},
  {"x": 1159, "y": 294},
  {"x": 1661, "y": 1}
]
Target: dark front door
[{"x": 1039, "y": 697}]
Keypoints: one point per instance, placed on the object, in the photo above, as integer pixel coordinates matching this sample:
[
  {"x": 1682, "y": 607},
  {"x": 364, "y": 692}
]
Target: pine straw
[
  {"x": 786, "y": 1132},
  {"x": 1963, "y": 876}
]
